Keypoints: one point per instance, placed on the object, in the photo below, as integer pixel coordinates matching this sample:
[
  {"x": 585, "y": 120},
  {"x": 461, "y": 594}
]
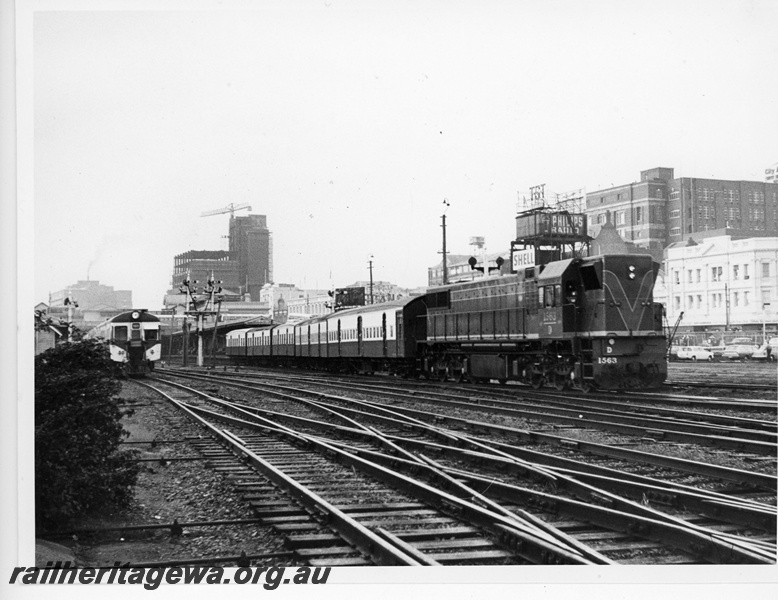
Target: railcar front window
[{"x": 120, "y": 333}]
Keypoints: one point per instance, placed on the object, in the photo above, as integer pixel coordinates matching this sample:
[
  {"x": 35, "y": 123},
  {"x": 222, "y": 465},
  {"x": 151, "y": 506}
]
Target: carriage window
[
  {"x": 558, "y": 294},
  {"x": 120, "y": 333},
  {"x": 151, "y": 334},
  {"x": 541, "y": 294}
]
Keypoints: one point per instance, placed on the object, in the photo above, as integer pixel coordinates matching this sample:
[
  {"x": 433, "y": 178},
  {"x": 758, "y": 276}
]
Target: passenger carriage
[{"x": 133, "y": 339}]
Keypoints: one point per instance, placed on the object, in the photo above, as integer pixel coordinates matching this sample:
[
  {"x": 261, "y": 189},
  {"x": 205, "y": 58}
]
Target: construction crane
[{"x": 230, "y": 208}]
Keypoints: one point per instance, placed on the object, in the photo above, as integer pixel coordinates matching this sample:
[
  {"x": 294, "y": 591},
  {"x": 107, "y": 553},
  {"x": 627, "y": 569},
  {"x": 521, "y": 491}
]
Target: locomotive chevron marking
[{"x": 612, "y": 283}]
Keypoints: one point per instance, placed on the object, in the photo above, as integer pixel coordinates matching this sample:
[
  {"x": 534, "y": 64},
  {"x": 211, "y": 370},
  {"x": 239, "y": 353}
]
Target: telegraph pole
[
  {"x": 370, "y": 262},
  {"x": 445, "y": 266}
]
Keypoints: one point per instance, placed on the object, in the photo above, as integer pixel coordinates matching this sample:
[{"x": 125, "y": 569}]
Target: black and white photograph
[{"x": 299, "y": 291}]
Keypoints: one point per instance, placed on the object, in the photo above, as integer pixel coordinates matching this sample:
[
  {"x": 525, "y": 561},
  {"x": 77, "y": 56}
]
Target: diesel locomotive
[
  {"x": 133, "y": 339},
  {"x": 583, "y": 322}
]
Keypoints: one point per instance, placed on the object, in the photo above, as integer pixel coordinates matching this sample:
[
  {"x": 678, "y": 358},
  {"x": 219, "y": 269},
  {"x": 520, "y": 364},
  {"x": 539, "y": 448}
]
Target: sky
[{"x": 349, "y": 123}]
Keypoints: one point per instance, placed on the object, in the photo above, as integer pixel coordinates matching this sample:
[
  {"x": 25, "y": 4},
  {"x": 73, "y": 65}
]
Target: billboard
[
  {"x": 557, "y": 226},
  {"x": 349, "y": 297}
]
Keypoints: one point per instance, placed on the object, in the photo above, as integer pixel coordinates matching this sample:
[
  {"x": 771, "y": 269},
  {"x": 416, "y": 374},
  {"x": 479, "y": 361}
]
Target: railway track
[
  {"x": 592, "y": 497},
  {"x": 332, "y": 514},
  {"x": 757, "y": 437}
]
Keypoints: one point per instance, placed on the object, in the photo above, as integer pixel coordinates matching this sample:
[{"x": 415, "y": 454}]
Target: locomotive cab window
[
  {"x": 120, "y": 333},
  {"x": 549, "y": 296}
]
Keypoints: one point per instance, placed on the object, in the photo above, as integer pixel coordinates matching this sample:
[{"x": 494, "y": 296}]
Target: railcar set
[
  {"x": 133, "y": 340},
  {"x": 585, "y": 322}
]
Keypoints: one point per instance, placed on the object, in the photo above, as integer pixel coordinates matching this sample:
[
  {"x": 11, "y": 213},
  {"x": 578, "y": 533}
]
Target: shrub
[{"x": 78, "y": 464}]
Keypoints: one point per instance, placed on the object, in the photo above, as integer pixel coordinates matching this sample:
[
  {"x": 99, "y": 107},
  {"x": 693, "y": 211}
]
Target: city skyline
[{"x": 349, "y": 124}]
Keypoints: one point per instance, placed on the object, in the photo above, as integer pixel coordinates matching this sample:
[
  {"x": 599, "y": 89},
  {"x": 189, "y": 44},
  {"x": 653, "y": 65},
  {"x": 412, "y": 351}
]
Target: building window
[
  {"x": 715, "y": 273},
  {"x": 677, "y": 276},
  {"x": 736, "y": 298},
  {"x": 689, "y": 275},
  {"x": 620, "y": 220},
  {"x": 735, "y": 269},
  {"x": 675, "y": 214},
  {"x": 765, "y": 269},
  {"x": 677, "y": 302},
  {"x": 638, "y": 214},
  {"x": 699, "y": 301},
  {"x": 675, "y": 231},
  {"x": 713, "y": 300},
  {"x": 765, "y": 298},
  {"x": 690, "y": 302},
  {"x": 699, "y": 275},
  {"x": 745, "y": 272},
  {"x": 745, "y": 298}
]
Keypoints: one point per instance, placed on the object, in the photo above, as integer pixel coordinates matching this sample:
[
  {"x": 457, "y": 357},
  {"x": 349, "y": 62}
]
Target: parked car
[
  {"x": 694, "y": 353},
  {"x": 766, "y": 351},
  {"x": 738, "y": 351}
]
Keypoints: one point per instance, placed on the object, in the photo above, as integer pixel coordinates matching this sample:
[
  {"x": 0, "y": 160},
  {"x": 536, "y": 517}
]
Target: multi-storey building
[
  {"x": 638, "y": 210},
  {"x": 92, "y": 295},
  {"x": 88, "y": 303},
  {"x": 243, "y": 269},
  {"x": 314, "y": 303},
  {"x": 721, "y": 283},
  {"x": 199, "y": 264},
  {"x": 251, "y": 245},
  {"x": 277, "y": 296},
  {"x": 661, "y": 209}
]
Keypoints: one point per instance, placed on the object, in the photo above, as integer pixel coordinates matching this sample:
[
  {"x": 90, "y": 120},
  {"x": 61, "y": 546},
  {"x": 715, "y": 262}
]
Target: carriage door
[
  {"x": 383, "y": 333},
  {"x": 359, "y": 336},
  {"x": 399, "y": 350},
  {"x": 338, "y": 337}
]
